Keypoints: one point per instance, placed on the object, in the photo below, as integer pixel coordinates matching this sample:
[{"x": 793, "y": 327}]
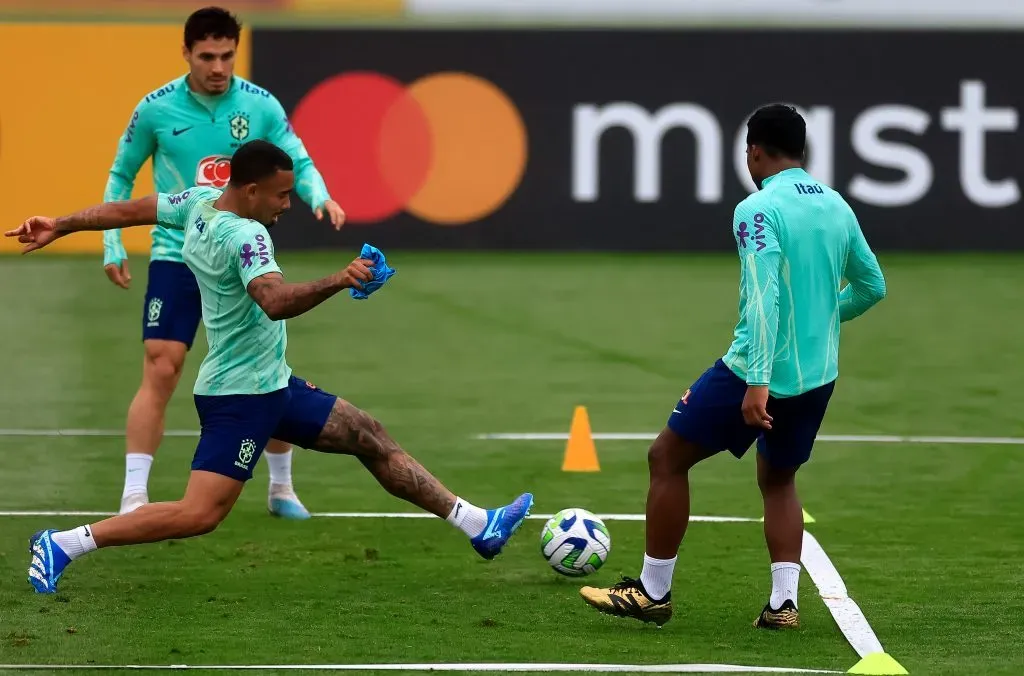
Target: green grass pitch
[{"x": 928, "y": 538}]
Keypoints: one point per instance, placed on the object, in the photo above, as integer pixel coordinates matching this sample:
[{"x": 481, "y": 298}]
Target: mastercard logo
[{"x": 449, "y": 148}]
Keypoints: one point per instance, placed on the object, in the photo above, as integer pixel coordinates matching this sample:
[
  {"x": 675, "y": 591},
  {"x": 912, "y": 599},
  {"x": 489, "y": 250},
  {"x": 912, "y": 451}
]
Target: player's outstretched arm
[
  {"x": 866, "y": 285},
  {"x": 39, "y": 231},
  {"x": 283, "y": 300}
]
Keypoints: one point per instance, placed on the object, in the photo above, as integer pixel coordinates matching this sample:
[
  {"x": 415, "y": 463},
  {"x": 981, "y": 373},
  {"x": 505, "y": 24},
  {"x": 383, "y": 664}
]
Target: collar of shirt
[
  {"x": 795, "y": 171},
  {"x": 185, "y": 90}
]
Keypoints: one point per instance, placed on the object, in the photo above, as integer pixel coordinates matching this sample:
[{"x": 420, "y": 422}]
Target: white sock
[
  {"x": 785, "y": 578},
  {"x": 657, "y": 576},
  {"x": 470, "y": 519},
  {"x": 75, "y": 542},
  {"x": 280, "y": 465},
  {"x": 136, "y": 473}
]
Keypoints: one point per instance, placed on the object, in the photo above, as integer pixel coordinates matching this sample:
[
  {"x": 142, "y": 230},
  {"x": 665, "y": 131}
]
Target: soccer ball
[{"x": 575, "y": 542}]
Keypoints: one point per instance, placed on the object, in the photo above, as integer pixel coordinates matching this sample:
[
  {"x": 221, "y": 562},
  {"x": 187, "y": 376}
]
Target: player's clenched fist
[{"x": 358, "y": 271}]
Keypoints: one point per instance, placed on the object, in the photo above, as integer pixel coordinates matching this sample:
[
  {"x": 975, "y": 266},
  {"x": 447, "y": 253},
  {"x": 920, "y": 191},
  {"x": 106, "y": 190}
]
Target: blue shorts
[
  {"x": 235, "y": 428},
  {"x": 173, "y": 306},
  {"x": 710, "y": 415}
]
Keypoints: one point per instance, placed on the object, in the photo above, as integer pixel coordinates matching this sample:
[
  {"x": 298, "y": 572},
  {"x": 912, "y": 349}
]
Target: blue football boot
[
  {"x": 48, "y": 562},
  {"x": 502, "y": 523}
]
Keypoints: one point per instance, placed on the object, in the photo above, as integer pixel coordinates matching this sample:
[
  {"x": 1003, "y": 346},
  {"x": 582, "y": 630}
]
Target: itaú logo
[{"x": 449, "y": 148}]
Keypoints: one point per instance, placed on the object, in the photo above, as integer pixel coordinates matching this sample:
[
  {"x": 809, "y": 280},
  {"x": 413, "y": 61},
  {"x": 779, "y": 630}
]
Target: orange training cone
[{"x": 580, "y": 454}]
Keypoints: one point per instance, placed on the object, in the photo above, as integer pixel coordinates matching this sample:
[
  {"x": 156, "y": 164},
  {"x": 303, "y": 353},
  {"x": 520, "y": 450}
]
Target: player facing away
[
  {"x": 191, "y": 127},
  {"x": 245, "y": 392},
  {"x": 797, "y": 239}
]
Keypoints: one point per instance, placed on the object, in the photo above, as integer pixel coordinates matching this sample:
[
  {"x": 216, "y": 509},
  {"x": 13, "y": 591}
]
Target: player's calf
[
  {"x": 144, "y": 429},
  {"x": 783, "y": 531},
  {"x": 207, "y": 501},
  {"x": 351, "y": 430}
]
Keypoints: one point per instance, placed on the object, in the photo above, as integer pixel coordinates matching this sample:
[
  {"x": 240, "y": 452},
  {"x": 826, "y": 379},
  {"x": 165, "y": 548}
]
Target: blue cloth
[{"x": 381, "y": 272}]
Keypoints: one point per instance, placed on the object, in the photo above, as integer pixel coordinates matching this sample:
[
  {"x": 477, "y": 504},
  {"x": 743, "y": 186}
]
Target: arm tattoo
[
  {"x": 353, "y": 431},
  {"x": 112, "y": 215},
  {"x": 283, "y": 300},
  {"x": 86, "y": 219}
]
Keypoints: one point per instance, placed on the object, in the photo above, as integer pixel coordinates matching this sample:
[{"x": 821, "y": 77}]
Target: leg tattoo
[{"x": 353, "y": 431}]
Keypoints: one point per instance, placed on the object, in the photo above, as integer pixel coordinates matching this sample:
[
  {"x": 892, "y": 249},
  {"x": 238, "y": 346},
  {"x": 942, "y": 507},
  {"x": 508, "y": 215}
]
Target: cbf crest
[
  {"x": 153, "y": 312},
  {"x": 246, "y": 453},
  {"x": 239, "y": 124}
]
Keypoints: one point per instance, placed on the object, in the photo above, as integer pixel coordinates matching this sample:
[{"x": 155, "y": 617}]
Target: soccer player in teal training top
[
  {"x": 797, "y": 239},
  {"x": 245, "y": 392},
  {"x": 190, "y": 127}
]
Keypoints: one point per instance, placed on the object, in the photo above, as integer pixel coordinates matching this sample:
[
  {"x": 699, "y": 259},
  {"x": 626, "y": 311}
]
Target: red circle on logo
[{"x": 355, "y": 124}]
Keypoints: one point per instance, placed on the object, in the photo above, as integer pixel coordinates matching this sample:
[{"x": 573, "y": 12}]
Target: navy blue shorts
[
  {"x": 710, "y": 415},
  {"x": 173, "y": 306},
  {"x": 235, "y": 428}
]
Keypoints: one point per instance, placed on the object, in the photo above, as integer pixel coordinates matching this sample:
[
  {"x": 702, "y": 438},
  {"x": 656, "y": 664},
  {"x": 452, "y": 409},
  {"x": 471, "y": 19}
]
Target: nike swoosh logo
[
  {"x": 178, "y": 132},
  {"x": 492, "y": 528}
]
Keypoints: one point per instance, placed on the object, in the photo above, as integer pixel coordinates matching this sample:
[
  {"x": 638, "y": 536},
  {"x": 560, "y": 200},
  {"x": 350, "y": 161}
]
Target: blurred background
[{"x": 554, "y": 124}]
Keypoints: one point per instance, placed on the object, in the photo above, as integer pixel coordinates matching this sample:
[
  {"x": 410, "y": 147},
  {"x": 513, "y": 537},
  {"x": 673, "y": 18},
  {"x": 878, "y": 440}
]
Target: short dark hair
[
  {"x": 257, "y": 160},
  {"x": 211, "y": 22},
  {"x": 779, "y": 129}
]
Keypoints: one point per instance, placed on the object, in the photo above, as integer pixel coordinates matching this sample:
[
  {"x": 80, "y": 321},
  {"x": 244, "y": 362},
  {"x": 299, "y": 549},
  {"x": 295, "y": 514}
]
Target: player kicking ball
[
  {"x": 245, "y": 392},
  {"x": 797, "y": 240}
]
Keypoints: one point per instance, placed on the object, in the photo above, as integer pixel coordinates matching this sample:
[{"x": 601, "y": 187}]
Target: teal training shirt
[
  {"x": 191, "y": 139},
  {"x": 797, "y": 239},
  {"x": 225, "y": 252}
]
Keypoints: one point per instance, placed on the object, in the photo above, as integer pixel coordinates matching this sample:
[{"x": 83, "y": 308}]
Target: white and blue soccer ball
[{"x": 575, "y": 542}]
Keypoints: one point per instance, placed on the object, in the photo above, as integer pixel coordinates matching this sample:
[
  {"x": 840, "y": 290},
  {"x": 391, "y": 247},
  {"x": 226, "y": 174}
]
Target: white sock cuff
[
  {"x": 783, "y": 565},
  {"x": 651, "y": 561},
  {"x": 136, "y": 473},
  {"x": 467, "y": 517},
  {"x": 75, "y": 542},
  {"x": 280, "y": 467},
  {"x": 85, "y": 538},
  {"x": 785, "y": 583},
  {"x": 656, "y": 576}
]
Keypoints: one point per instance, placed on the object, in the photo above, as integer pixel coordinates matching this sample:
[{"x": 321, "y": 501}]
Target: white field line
[
  {"x": 562, "y": 436},
  {"x": 838, "y": 438},
  {"x": 84, "y": 432},
  {"x": 398, "y": 515},
  {"x": 520, "y": 667},
  {"x": 830, "y": 585}
]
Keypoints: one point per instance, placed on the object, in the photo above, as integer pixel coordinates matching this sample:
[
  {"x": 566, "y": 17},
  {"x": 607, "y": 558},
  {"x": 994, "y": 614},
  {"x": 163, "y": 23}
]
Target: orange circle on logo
[{"x": 450, "y": 148}]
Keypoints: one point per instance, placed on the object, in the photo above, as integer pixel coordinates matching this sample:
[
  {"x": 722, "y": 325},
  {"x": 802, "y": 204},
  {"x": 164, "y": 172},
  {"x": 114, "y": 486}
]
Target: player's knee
[
  {"x": 671, "y": 454},
  {"x": 200, "y": 521},
  {"x": 662, "y": 459},
  {"x": 371, "y": 438},
  {"x": 772, "y": 479},
  {"x": 163, "y": 368}
]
